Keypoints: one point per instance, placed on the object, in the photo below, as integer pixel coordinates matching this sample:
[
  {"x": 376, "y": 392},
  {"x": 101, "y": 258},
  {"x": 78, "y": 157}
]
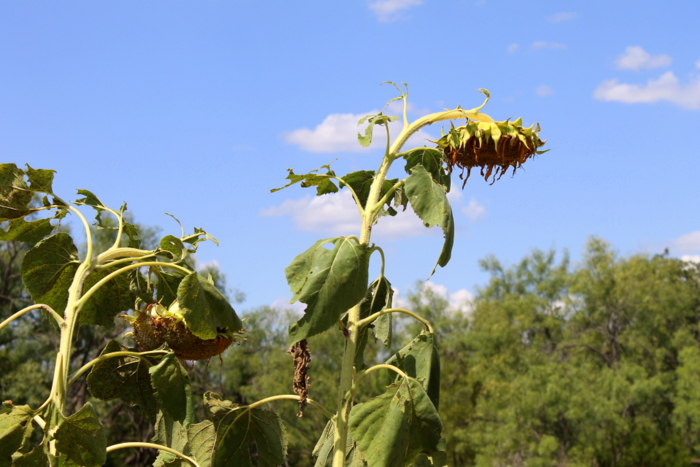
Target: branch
[
  {"x": 376, "y": 315},
  {"x": 102, "y": 358},
  {"x": 114, "y": 447},
  {"x": 55, "y": 315}
]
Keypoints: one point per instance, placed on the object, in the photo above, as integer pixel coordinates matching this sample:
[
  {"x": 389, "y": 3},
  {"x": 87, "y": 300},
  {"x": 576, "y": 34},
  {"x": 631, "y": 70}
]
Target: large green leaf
[
  {"x": 34, "y": 458},
  {"x": 48, "y": 270},
  {"x": 173, "y": 389},
  {"x": 323, "y": 182},
  {"x": 204, "y": 308},
  {"x": 361, "y": 183},
  {"x": 429, "y": 201},
  {"x": 238, "y": 430},
  {"x": 15, "y": 427},
  {"x": 329, "y": 281},
  {"x": 173, "y": 434},
  {"x": 202, "y": 441},
  {"x": 324, "y": 450},
  {"x": 432, "y": 161},
  {"x": 22, "y": 231},
  {"x": 392, "y": 429},
  {"x": 197, "y": 441},
  {"x": 124, "y": 378},
  {"x": 81, "y": 440},
  {"x": 166, "y": 288},
  {"x": 16, "y": 194},
  {"x": 112, "y": 298},
  {"x": 420, "y": 359}
]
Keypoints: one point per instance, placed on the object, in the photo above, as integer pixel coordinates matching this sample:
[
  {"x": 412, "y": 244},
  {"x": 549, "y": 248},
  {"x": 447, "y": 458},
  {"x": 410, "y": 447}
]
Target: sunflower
[
  {"x": 492, "y": 146},
  {"x": 156, "y": 325}
]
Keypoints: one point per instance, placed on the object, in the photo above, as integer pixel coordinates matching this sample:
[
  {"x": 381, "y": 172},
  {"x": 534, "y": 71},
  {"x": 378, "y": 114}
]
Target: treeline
[{"x": 553, "y": 364}]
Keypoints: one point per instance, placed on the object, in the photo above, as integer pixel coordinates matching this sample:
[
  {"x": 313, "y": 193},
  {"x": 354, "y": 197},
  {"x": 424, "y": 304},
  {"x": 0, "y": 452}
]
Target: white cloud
[
  {"x": 336, "y": 214},
  {"x": 282, "y": 303},
  {"x": 512, "y": 48},
  {"x": 544, "y": 91},
  {"x": 691, "y": 258},
  {"x": 208, "y": 264},
  {"x": 460, "y": 300},
  {"x": 474, "y": 211},
  {"x": 563, "y": 16},
  {"x": 548, "y": 45},
  {"x": 666, "y": 88},
  {"x": 688, "y": 243},
  {"x": 338, "y": 133},
  {"x": 390, "y": 10},
  {"x": 697, "y": 64},
  {"x": 636, "y": 58}
]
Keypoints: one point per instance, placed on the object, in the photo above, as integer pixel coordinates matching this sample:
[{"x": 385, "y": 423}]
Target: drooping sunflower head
[
  {"x": 156, "y": 325},
  {"x": 494, "y": 147}
]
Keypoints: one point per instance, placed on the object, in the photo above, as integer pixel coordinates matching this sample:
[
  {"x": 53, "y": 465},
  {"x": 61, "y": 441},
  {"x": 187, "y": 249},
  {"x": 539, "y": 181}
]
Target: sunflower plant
[{"x": 177, "y": 315}]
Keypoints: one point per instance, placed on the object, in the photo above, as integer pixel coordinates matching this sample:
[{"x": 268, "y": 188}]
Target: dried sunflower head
[
  {"x": 156, "y": 325},
  {"x": 492, "y": 146}
]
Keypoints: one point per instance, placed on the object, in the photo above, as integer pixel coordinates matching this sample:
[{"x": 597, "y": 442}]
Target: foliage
[
  {"x": 176, "y": 309},
  {"x": 591, "y": 366}
]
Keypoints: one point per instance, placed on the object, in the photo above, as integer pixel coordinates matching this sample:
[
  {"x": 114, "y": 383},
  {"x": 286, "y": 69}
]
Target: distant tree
[{"x": 595, "y": 366}]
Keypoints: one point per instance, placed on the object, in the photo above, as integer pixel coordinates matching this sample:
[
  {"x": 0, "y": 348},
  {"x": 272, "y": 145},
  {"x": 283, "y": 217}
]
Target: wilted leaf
[
  {"x": 112, "y": 298},
  {"x": 80, "y": 439},
  {"x": 323, "y": 182},
  {"x": 34, "y": 458},
  {"x": 23, "y": 231},
  {"x": 48, "y": 270},
  {"x": 378, "y": 297},
  {"x": 392, "y": 429},
  {"x": 241, "y": 429},
  {"x": 166, "y": 289},
  {"x": 420, "y": 359},
  {"x": 124, "y": 378},
  {"x": 16, "y": 194},
  {"x": 173, "y": 389},
  {"x": 202, "y": 441},
  {"x": 432, "y": 161},
  {"x": 173, "y": 434},
  {"x": 329, "y": 281},
  {"x": 429, "y": 201},
  {"x": 204, "y": 308},
  {"x": 366, "y": 139},
  {"x": 15, "y": 427}
]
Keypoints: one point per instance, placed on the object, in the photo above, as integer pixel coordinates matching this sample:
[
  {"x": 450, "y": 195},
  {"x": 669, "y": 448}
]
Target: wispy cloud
[
  {"x": 544, "y": 91},
  {"x": 667, "y": 88},
  {"x": 688, "y": 243},
  {"x": 563, "y": 16},
  {"x": 474, "y": 210},
  {"x": 336, "y": 214},
  {"x": 636, "y": 58},
  {"x": 548, "y": 45},
  {"x": 338, "y": 133},
  {"x": 391, "y": 10},
  {"x": 512, "y": 48}
]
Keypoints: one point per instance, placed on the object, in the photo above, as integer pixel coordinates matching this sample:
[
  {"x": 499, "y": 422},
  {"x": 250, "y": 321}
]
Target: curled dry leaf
[{"x": 302, "y": 358}]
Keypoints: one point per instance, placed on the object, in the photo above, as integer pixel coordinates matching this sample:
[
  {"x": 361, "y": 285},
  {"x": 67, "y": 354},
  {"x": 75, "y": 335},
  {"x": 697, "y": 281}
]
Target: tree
[{"x": 586, "y": 367}]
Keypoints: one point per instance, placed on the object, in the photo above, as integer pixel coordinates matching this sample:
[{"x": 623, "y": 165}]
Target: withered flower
[
  {"x": 492, "y": 146},
  {"x": 157, "y": 325}
]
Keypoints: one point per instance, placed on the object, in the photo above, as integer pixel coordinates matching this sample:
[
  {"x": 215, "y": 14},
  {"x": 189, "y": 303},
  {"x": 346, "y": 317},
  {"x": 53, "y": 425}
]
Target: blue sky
[{"x": 197, "y": 108}]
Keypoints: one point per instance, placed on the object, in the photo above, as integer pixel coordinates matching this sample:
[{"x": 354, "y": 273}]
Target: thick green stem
[{"x": 372, "y": 207}]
